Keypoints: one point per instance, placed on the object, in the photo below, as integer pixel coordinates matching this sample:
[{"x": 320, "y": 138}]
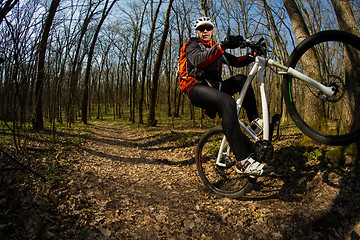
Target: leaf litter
[{"x": 126, "y": 184}]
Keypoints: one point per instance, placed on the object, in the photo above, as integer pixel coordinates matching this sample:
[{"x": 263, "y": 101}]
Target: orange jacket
[{"x": 204, "y": 62}]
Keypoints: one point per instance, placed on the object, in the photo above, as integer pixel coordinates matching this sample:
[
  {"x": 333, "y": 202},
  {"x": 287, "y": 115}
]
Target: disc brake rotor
[{"x": 338, "y": 86}]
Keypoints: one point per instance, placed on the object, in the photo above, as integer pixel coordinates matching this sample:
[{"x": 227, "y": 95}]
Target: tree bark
[
  {"x": 38, "y": 122},
  {"x": 144, "y": 67},
  {"x": 310, "y": 62},
  {"x": 134, "y": 64},
  {"x": 345, "y": 16},
  {"x": 153, "y": 94},
  {"x": 297, "y": 20},
  {"x": 204, "y": 7},
  {"x": 347, "y": 22}
]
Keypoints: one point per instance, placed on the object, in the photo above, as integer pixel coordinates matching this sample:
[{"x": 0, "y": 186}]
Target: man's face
[{"x": 205, "y": 32}]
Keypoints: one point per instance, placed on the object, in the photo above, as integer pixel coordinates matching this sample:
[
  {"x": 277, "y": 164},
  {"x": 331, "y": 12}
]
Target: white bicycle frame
[{"x": 259, "y": 68}]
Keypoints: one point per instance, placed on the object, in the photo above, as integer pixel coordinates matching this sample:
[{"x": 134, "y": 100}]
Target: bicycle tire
[
  {"x": 223, "y": 181},
  {"x": 331, "y": 122}
]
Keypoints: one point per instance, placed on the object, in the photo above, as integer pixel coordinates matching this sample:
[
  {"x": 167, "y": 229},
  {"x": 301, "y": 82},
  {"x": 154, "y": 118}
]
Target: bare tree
[
  {"x": 77, "y": 60},
  {"x": 38, "y": 121},
  {"x": 347, "y": 22},
  {"x": 153, "y": 95},
  {"x": 310, "y": 60},
  {"x": 4, "y": 9},
  {"x": 204, "y": 7},
  {"x": 300, "y": 28},
  {"x": 183, "y": 27},
  {"x": 345, "y": 16},
  {"x": 85, "y": 101},
  {"x": 137, "y": 25},
  {"x": 146, "y": 57},
  {"x": 277, "y": 35},
  {"x": 74, "y": 39}
]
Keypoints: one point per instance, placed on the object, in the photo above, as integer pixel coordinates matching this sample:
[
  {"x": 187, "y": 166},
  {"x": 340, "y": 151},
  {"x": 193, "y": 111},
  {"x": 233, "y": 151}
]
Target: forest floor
[{"x": 119, "y": 182}]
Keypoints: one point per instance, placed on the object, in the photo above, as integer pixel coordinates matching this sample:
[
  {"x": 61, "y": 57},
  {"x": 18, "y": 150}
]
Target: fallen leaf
[{"x": 106, "y": 232}]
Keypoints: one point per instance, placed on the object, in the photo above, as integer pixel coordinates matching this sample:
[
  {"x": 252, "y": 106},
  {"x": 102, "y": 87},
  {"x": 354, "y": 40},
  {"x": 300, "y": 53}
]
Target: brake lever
[
  {"x": 260, "y": 40},
  {"x": 246, "y": 43}
]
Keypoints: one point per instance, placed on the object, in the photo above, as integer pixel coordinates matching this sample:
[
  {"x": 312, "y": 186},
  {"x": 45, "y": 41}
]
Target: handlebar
[
  {"x": 259, "y": 46},
  {"x": 252, "y": 44}
]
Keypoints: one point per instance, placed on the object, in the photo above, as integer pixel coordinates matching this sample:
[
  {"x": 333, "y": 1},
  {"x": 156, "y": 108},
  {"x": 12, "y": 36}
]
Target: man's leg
[
  {"x": 233, "y": 85},
  {"x": 211, "y": 98}
]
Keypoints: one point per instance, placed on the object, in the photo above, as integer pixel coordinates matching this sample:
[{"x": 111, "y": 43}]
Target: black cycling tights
[{"x": 221, "y": 101}]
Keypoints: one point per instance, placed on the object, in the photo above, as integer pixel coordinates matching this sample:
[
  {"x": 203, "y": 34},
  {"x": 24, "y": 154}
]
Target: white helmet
[{"x": 203, "y": 21}]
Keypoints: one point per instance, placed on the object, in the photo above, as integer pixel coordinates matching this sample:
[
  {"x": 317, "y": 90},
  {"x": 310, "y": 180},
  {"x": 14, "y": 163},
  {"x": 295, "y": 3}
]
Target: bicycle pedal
[{"x": 230, "y": 164}]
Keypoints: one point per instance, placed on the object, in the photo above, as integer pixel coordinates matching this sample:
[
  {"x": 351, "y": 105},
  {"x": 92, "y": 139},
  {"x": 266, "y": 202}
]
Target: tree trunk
[
  {"x": 347, "y": 22},
  {"x": 168, "y": 76},
  {"x": 144, "y": 68},
  {"x": 76, "y": 65},
  {"x": 204, "y": 7},
  {"x": 38, "y": 121},
  {"x": 119, "y": 90},
  {"x": 9, "y": 4},
  {"x": 297, "y": 20},
  {"x": 85, "y": 100},
  {"x": 283, "y": 52},
  {"x": 345, "y": 16},
  {"x": 135, "y": 74},
  {"x": 153, "y": 95},
  {"x": 310, "y": 62},
  {"x": 278, "y": 38}
]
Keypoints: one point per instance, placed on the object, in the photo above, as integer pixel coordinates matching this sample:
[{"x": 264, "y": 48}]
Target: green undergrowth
[
  {"x": 47, "y": 152},
  {"x": 311, "y": 153}
]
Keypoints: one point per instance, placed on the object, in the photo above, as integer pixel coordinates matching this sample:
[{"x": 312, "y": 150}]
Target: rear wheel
[
  {"x": 332, "y": 58},
  {"x": 222, "y": 180}
]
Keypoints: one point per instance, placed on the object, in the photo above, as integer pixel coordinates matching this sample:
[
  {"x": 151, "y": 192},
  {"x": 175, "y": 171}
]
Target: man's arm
[
  {"x": 200, "y": 58},
  {"x": 239, "y": 61}
]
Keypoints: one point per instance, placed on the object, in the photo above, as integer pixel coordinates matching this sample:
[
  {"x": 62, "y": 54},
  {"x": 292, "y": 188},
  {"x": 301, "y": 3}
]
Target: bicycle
[{"x": 328, "y": 89}]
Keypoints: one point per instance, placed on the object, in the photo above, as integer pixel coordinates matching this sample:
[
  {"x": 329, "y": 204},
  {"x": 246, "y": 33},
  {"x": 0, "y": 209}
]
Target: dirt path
[
  {"x": 132, "y": 185},
  {"x": 127, "y": 184}
]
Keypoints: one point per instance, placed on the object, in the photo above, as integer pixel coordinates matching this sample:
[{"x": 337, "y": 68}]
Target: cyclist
[{"x": 204, "y": 63}]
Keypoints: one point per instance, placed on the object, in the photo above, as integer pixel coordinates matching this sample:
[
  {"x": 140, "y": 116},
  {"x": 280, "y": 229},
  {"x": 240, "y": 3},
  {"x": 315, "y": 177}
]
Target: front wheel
[
  {"x": 224, "y": 181},
  {"x": 333, "y": 59}
]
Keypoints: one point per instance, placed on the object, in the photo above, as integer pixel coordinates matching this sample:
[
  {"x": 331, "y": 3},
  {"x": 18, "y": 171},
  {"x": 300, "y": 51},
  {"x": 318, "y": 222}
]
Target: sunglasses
[{"x": 203, "y": 28}]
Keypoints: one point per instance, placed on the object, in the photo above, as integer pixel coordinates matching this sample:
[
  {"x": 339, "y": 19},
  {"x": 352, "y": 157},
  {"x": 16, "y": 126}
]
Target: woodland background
[
  {"x": 68, "y": 60},
  {"x": 128, "y": 173}
]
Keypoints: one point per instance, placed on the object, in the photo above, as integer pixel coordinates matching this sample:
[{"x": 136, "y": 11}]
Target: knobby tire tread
[
  {"x": 324, "y": 36},
  {"x": 233, "y": 194}
]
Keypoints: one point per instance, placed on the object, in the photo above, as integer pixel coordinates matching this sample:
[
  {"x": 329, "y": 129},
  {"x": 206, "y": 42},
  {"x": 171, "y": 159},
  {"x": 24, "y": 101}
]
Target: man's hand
[{"x": 231, "y": 42}]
